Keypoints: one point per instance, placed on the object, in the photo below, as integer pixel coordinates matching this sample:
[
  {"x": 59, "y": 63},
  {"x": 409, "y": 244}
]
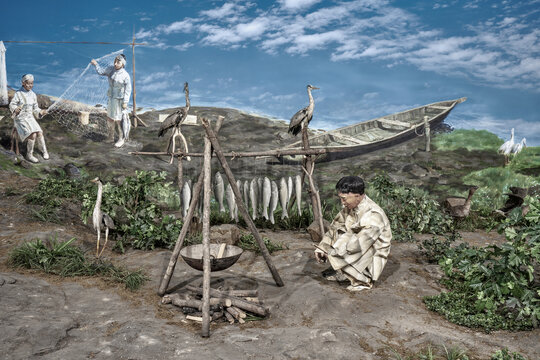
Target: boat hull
[{"x": 343, "y": 152}]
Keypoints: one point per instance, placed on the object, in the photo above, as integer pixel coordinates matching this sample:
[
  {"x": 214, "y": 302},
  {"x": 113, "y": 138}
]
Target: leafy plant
[
  {"x": 409, "y": 210},
  {"x": 435, "y": 248},
  {"x": 494, "y": 287},
  {"x": 248, "y": 242},
  {"x": 134, "y": 208},
  {"x": 504, "y": 354}
]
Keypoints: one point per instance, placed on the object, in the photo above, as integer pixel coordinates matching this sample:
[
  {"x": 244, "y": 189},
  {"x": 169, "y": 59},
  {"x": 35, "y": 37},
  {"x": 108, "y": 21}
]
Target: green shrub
[
  {"x": 494, "y": 287},
  {"x": 409, "y": 210}
]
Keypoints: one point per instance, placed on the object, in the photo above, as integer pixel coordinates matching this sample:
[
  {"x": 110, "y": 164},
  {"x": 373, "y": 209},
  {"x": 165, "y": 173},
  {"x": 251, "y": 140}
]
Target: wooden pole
[
  {"x": 267, "y": 153},
  {"x": 427, "y": 132},
  {"x": 136, "y": 118},
  {"x": 241, "y": 206},
  {"x": 207, "y": 169},
  {"x": 314, "y": 194},
  {"x": 163, "y": 286}
]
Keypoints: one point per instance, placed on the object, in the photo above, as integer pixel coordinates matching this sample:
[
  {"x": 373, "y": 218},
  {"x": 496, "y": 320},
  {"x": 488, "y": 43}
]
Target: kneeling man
[{"x": 358, "y": 241}]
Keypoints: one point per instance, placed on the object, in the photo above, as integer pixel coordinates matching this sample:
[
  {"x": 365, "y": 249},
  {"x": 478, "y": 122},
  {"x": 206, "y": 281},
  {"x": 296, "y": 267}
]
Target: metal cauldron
[{"x": 193, "y": 254}]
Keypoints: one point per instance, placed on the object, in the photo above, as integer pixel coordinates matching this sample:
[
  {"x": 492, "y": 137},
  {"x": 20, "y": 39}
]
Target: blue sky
[{"x": 369, "y": 57}]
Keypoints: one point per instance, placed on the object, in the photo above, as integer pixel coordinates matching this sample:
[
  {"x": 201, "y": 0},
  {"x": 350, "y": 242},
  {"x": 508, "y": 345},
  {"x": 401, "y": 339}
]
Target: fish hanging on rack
[
  {"x": 260, "y": 194},
  {"x": 253, "y": 198},
  {"x": 219, "y": 191},
  {"x": 273, "y": 201},
  {"x": 186, "y": 199},
  {"x": 267, "y": 193},
  {"x": 298, "y": 192},
  {"x": 283, "y": 195},
  {"x": 229, "y": 196},
  {"x": 246, "y": 194},
  {"x": 290, "y": 188}
]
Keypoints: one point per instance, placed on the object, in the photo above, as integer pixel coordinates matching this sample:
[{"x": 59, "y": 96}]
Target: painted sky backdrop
[{"x": 369, "y": 57}]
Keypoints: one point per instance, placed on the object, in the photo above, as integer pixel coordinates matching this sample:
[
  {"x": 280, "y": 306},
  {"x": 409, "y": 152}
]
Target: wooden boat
[{"x": 374, "y": 134}]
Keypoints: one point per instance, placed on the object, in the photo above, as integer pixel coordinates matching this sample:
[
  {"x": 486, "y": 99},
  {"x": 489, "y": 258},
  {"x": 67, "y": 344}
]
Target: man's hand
[
  {"x": 17, "y": 111},
  {"x": 124, "y": 106},
  {"x": 320, "y": 256},
  {"x": 93, "y": 62},
  {"x": 43, "y": 112}
]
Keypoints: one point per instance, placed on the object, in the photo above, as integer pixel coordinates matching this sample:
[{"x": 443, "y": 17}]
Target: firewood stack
[{"x": 232, "y": 305}]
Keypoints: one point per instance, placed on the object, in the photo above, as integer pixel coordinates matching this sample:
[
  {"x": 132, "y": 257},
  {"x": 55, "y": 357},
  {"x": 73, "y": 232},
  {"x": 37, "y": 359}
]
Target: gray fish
[
  {"x": 298, "y": 192},
  {"x": 260, "y": 193},
  {"x": 186, "y": 198},
  {"x": 283, "y": 195},
  {"x": 231, "y": 203},
  {"x": 219, "y": 191},
  {"x": 267, "y": 194},
  {"x": 246, "y": 194},
  {"x": 239, "y": 186},
  {"x": 253, "y": 198},
  {"x": 273, "y": 201},
  {"x": 290, "y": 188}
]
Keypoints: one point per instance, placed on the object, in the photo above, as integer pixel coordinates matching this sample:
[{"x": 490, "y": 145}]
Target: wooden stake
[
  {"x": 136, "y": 119},
  {"x": 207, "y": 169},
  {"x": 314, "y": 194},
  {"x": 317, "y": 199},
  {"x": 185, "y": 227},
  {"x": 241, "y": 206}
]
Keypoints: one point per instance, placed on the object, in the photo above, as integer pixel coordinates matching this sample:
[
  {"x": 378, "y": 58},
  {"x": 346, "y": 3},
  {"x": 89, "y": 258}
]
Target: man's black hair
[{"x": 350, "y": 184}]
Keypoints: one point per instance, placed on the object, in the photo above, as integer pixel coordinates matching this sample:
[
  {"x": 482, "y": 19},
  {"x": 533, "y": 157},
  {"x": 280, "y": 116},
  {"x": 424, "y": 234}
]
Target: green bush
[
  {"x": 494, "y": 287},
  {"x": 409, "y": 210},
  {"x": 136, "y": 211}
]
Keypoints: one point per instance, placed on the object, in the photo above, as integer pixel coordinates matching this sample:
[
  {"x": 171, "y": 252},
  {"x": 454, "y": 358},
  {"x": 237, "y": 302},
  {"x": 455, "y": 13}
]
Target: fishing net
[{"x": 82, "y": 108}]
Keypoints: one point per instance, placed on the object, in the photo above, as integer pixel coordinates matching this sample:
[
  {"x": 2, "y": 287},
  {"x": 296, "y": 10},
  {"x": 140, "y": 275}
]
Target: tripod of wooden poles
[{"x": 212, "y": 145}]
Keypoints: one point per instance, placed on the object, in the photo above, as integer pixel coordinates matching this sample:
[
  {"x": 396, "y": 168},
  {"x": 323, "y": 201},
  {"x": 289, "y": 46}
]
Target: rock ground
[{"x": 48, "y": 317}]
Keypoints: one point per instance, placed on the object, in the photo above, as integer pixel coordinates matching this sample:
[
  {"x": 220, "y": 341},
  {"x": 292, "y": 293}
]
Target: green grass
[
  {"x": 442, "y": 352},
  {"x": 67, "y": 260},
  {"x": 248, "y": 242},
  {"x": 468, "y": 139}
]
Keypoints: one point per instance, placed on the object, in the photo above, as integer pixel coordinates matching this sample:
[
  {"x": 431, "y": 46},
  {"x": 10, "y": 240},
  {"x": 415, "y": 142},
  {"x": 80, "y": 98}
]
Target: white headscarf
[
  {"x": 28, "y": 77},
  {"x": 122, "y": 59}
]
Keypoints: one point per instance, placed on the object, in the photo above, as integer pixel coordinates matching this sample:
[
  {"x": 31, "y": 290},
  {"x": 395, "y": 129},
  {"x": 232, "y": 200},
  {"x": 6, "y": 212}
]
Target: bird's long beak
[
  {"x": 315, "y": 88},
  {"x": 95, "y": 180}
]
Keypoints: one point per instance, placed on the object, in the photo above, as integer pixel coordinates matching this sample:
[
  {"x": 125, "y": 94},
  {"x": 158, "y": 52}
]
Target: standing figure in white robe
[
  {"x": 24, "y": 111},
  {"x": 118, "y": 94},
  {"x": 358, "y": 241}
]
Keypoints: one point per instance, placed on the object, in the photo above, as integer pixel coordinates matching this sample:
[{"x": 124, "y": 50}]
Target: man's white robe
[{"x": 358, "y": 242}]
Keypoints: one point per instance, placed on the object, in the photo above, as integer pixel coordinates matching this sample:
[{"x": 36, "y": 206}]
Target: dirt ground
[{"x": 47, "y": 317}]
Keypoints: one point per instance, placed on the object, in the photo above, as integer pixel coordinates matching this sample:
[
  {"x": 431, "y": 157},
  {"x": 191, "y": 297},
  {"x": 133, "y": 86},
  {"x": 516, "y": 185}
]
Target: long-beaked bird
[
  {"x": 174, "y": 121},
  {"x": 303, "y": 116},
  {"x": 100, "y": 219}
]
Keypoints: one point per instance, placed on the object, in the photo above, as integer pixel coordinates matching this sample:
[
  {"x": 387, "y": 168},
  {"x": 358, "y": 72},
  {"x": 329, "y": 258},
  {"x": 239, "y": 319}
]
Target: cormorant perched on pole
[
  {"x": 174, "y": 121},
  {"x": 303, "y": 116}
]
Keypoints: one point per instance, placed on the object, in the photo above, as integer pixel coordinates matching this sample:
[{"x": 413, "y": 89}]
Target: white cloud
[
  {"x": 297, "y": 4},
  {"x": 81, "y": 29},
  {"x": 502, "y": 51}
]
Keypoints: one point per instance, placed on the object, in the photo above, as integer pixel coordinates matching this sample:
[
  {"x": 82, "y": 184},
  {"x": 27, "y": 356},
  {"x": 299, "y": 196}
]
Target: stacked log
[{"x": 232, "y": 305}]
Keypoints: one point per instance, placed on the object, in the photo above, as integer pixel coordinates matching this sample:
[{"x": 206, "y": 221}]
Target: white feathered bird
[
  {"x": 516, "y": 149},
  {"x": 101, "y": 219},
  {"x": 506, "y": 148}
]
